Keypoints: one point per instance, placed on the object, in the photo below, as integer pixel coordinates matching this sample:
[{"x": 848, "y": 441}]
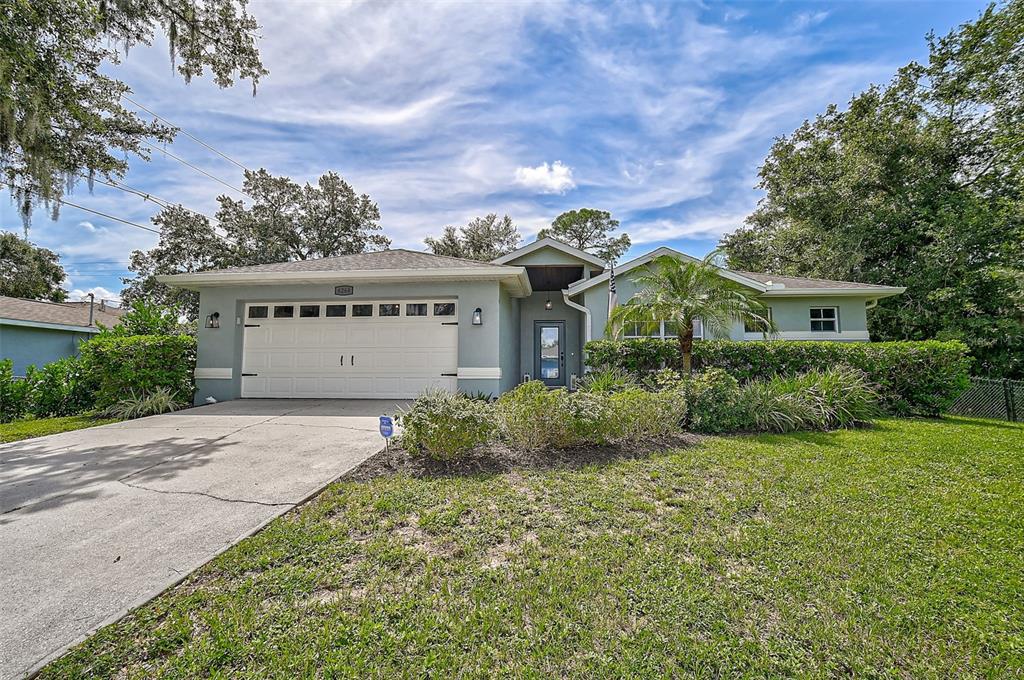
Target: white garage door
[{"x": 381, "y": 349}]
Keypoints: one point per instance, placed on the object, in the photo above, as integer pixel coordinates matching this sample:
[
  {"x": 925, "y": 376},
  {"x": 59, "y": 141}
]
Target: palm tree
[{"x": 679, "y": 292}]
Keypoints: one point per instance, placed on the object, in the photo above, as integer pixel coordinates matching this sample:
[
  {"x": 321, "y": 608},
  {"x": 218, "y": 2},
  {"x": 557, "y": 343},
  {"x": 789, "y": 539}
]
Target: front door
[{"x": 549, "y": 352}]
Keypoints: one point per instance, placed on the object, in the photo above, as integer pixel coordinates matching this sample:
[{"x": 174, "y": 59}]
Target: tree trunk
[{"x": 686, "y": 348}]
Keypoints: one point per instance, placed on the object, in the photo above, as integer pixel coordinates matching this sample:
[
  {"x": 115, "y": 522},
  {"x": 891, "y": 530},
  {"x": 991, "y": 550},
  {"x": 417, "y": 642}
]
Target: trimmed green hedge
[
  {"x": 912, "y": 377},
  {"x": 137, "y": 364}
]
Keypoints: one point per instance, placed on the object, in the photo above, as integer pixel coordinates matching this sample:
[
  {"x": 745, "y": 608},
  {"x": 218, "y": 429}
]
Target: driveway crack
[{"x": 208, "y": 495}]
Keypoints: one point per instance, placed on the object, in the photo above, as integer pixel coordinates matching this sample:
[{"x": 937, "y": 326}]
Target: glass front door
[{"x": 549, "y": 352}]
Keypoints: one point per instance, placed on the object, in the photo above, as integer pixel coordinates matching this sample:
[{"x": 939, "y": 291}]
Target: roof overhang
[
  {"x": 586, "y": 284},
  {"x": 49, "y": 326},
  {"x": 873, "y": 292},
  {"x": 514, "y": 278},
  {"x": 549, "y": 242}
]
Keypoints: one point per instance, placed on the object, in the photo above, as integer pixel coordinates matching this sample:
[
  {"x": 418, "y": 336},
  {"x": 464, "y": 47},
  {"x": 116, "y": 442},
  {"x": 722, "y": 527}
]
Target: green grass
[
  {"x": 891, "y": 552},
  {"x": 37, "y": 427}
]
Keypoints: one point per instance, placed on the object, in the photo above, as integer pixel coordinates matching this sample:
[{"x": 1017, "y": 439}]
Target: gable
[{"x": 549, "y": 251}]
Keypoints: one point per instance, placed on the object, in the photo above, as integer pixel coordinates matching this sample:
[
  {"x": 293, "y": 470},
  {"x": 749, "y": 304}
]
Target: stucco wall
[
  {"x": 791, "y": 314},
  {"x": 548, "y": 256},
  {"x": 25, "y": 345},
  {"x": 508, "y": 341},
  {"x": 479, "y": 346}
]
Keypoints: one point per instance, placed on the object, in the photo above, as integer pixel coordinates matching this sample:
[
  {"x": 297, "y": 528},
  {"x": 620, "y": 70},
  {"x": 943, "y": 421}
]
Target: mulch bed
[{"x": 497, "y": 459}]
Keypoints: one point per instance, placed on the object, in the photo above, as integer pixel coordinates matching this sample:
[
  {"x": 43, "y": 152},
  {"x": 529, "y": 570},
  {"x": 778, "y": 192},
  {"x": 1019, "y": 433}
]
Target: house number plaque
[{"x": 343, "y": 290}]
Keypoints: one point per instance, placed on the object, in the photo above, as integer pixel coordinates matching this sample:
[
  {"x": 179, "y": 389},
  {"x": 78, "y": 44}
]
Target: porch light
[
  {"x": 547, "y": 304},
  {"x": 478, "y": 317},
  {"x": 213, "y": 320}
]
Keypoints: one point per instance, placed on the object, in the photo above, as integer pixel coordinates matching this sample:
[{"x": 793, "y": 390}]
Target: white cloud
[
  {"x": 807, "y": 19},
  {"x": 100, "y": 292},
  {"x": 555, "y": 178},
  {"x": 87, "y": 225}
]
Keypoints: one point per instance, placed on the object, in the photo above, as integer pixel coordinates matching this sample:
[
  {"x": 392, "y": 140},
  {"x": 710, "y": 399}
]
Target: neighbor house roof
[
  {"x": 71, "y": 316},
  {"x": 549, "y": 242},
  {"x": 390, "y": 265},
  {"x": 768, "y": 285}
]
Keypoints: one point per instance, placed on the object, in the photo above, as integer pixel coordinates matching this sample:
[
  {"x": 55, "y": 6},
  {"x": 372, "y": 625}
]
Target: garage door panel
[{"x": 391, "y": 357}]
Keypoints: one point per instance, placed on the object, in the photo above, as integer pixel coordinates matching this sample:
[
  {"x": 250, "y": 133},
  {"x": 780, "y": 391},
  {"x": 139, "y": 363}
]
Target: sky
[{"x": 660, "y": 113}]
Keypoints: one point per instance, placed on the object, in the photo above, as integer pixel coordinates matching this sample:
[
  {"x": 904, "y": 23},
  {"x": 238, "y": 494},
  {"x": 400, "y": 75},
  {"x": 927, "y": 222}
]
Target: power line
[
  {"x": 184, "y": 132},
  {"x": 200, "y": 170},
  {"x": 146, "y": 196},
  {"x": 90, "y": 210}
]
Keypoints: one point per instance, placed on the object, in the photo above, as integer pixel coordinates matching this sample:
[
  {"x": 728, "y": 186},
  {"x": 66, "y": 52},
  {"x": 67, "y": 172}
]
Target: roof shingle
[
  {"x": 801, "y": 282},
  {"x": 375, "y": 261},
  {"x": 63, "y": 313}
]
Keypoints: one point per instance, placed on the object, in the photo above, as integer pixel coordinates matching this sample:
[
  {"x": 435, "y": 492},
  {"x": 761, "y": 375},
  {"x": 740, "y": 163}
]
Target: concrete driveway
[{"x": 95, "y": 522}]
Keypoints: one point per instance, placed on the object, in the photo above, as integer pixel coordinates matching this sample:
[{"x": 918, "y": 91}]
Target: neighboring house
[
  {"x": 36, "y": 333},
  {"x": 390, "y": 324}
]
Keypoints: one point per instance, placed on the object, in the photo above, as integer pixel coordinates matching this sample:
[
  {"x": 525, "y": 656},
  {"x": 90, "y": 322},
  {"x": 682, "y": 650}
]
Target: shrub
[
  {"x": 60, "y": 388},
  {"x": 714, "y": 402},
  {"x": 817, "y": 400},
  {"x": 140, "y": 364},
  {"x": 145, "y": 318},
  {"x": 153, "y": 403},
  {"x": 533, "y": 417},
  {"x": 606, "y": 381},
  {"x": 911, "y": 377},
  {"x": 639, "y": 414},
  {"x": 445, "y": 426},
  {"x": 13, "y": 393}
]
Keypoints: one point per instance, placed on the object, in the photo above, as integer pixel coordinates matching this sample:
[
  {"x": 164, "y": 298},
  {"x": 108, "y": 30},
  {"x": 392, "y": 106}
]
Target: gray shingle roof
[
  {"x": 63, "y": 313},
  {"x": 800, "y": 282},
  {"x": 375, "y": 261}
]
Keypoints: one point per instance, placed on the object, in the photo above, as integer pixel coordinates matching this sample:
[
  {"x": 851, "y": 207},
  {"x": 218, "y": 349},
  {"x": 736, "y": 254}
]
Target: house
[
  {"x": 390, "y": 324},
  {"x": 33, "y": 332}
]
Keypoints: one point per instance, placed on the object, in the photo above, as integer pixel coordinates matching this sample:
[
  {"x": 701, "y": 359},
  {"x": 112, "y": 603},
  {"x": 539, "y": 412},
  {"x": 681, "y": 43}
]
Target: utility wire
[
  {"x": 184, "y": 132},
  {"x": 90, "y": 210},
  {"x": 198, "y": 169},
  {"x": 146, "y": 196}
]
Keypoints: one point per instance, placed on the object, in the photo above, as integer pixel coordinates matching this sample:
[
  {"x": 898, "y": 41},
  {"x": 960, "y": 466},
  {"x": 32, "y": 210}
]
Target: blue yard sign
[{"x": 387, "y": 427}]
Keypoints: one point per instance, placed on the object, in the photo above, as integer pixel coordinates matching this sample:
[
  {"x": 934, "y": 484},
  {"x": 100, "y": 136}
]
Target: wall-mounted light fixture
[
  {"x": 547, "y": 304},
  {"x": 213, "y": 320},
  {"x": 478, "y": 319}
]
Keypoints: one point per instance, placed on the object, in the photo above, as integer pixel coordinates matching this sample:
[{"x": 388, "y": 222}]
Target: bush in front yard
[
  {"x": 120, "y": 366},
  {"x": 445, "y": 426},
  {"x": 817, "y": 400},
  {"x": 715, "y": 404},
  {"x": 533, "y": 417},
  {"x": 911, "y": 377},
  {"x": 13, "y": 399},
  {"x": 60, "y": 388},
  {"x": 640, "y": 414}
]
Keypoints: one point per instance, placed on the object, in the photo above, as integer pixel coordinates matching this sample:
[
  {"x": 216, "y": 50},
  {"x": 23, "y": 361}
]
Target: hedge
[
  {"x": 136, "y": 364},
  {"x": 922, "y": 378}
]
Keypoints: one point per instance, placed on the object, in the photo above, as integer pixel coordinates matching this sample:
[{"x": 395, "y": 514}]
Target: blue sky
[{"x": 660, "y": 113}]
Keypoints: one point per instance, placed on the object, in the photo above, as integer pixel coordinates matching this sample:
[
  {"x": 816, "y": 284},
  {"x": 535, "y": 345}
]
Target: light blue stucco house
[
  {"x": 390, "y": 324},
  {"x": 35, "y": 333}
]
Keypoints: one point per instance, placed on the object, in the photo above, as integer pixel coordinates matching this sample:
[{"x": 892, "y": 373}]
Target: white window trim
[
  {"x": 661, "y": 335},
  {"x": 349, "y": 303},
  {"x": 770, "y": 319},
  {"x": 810, "y": 325}
]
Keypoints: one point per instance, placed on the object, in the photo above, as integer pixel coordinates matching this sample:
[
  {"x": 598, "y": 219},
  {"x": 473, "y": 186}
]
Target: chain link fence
[{"x": 988, "y": 398}]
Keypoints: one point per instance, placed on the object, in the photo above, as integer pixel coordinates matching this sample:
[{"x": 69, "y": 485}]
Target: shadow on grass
[{"x": 499, "y": 459}]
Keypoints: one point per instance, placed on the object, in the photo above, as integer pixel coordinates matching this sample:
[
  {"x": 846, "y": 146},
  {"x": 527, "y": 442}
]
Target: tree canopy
[
  {"x": 285, "y": 221},
  {"x": 61, "y": 113},
  {"x": 28, "y": 271},
  {"x": 484, "y": 238},
  {"x": 589, "y": 229},
  {"x": 918, "y": 183}
]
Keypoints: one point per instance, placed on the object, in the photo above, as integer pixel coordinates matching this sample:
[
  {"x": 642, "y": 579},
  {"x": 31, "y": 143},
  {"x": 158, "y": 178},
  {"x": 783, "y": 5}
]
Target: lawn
[
  {"x": 893, "y": 551},
  {"x": 37, "y": 427}
]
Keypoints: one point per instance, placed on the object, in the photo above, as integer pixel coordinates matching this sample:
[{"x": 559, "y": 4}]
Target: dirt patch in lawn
[{"x": 498, "y": 458}]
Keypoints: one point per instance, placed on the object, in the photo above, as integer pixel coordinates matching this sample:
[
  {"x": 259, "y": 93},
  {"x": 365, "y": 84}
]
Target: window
[
  {"x": 754, "y": 327},
  {"x": 660, "y": 329},
  {"x": 824, "y": 319},
  {"x": 309, "y": 311},
  {"x": 284, "y": 311},
  {"x": 336, "y": 310},
  {"x": 416, "y": 309},
  {"x": 444, "y": 309},
  {"x": 258, "y": 312},
  {"x": 390, "y": 309},
  {"x": 362, "y": 310}
]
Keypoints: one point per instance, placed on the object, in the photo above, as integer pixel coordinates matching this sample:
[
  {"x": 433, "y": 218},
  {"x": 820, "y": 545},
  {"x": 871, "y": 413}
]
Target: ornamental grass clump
[
  {"x": 816, "y": 400},
  {"x": 445, "y": 426}
]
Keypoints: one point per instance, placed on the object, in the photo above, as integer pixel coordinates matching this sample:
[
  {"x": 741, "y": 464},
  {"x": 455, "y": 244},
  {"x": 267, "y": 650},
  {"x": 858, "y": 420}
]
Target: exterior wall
[
  {"x": 509, "y": 344},
  {"x": 26, "y": 345},
  {"x": 221, "y": 348},
  {"x": 531, "y": 310},
  {"x": 791, "y": 314}
]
